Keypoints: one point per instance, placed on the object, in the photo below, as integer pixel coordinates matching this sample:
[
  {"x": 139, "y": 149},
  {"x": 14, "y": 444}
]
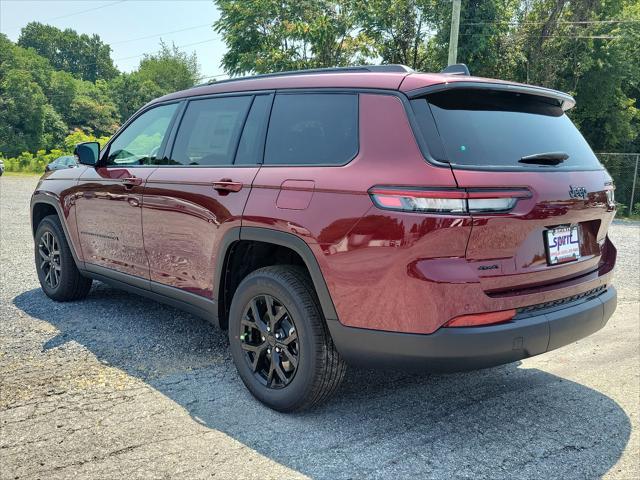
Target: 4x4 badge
[{"x": 577, "y": 192}]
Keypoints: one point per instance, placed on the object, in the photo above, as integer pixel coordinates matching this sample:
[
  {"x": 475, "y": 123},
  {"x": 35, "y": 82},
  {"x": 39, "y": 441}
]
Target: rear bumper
[{"x": 457, "y": 349}]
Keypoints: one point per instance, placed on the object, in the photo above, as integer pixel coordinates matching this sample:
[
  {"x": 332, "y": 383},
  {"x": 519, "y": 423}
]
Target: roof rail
[
  {"x": 457, "y": 69},
  {"x": 392, "y": 67}
]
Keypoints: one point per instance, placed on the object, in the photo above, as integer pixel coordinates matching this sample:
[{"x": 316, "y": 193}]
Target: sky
[{"x": 131, "y": 27}]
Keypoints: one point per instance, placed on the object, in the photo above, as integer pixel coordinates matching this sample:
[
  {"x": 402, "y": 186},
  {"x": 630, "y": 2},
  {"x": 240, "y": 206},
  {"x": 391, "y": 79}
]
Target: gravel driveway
[{"x": 120, "y": 386}]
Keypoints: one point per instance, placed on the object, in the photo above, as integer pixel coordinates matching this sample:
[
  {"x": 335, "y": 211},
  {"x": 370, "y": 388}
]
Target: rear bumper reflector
[{"x": 481, "y": 319}]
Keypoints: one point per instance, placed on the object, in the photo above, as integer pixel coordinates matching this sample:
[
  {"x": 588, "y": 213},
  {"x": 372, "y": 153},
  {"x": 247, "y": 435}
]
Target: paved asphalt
[{"x": 117, "y": 386}]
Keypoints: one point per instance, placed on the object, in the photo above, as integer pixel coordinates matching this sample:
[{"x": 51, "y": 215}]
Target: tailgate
[
  {"x": 496, "y": 138},
  {"x": 509, "y": 251}
]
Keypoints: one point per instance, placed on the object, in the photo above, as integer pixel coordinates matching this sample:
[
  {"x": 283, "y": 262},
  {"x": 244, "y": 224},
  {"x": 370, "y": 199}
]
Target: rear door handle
[
  {"x": 226, "y": 185},
  {"x": 132, "y": 181}
]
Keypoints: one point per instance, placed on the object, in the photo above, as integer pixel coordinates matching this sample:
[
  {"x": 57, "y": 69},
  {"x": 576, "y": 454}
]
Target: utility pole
[{"x": 453, "y": 37}]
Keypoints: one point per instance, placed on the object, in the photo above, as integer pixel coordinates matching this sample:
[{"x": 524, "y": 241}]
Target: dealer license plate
[{"x": 563, "y": 244}]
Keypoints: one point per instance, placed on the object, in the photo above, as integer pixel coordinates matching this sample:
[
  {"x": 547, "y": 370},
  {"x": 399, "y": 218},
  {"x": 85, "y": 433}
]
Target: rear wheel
[
  {"x": 57, "y": 272},
  {"x": 279, "y": 340}
]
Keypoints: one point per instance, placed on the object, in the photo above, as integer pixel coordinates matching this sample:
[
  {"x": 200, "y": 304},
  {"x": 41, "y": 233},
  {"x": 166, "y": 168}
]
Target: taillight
[
  {"x": 447, "y": 200},
  {"x": 611, "y": 198},
  {"x": 480, "y": 319}
]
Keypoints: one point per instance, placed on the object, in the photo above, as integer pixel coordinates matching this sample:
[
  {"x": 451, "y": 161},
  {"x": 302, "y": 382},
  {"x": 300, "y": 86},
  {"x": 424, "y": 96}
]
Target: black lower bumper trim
[{"x": 457, "y": 349}]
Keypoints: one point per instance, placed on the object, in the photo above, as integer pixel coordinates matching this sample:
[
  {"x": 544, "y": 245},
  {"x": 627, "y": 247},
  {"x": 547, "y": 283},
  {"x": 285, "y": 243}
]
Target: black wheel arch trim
[
  {"x": 52, "y": 200},
  {"x": 289, "y": 240}
]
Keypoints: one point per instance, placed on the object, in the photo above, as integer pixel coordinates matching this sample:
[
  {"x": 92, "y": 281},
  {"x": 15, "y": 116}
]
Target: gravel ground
[{"x": 118, "y": 385}]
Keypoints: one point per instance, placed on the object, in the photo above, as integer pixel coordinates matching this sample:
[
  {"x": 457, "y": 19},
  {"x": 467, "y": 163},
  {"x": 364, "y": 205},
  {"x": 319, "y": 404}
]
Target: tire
[
  {"x": 319, "y": 370},
  {"x": 70, "y": 284}
]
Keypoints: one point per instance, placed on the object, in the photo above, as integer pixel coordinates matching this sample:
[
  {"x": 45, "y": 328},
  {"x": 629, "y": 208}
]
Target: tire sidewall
[
  {"x": 47, "y": 225},
  {"x": 302, "y": 383}
]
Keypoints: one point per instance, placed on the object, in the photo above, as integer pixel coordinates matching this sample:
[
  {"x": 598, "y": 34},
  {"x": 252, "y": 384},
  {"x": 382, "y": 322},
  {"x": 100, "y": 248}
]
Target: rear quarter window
[
  {"x": 312, "y": 129},
  {"x": 486, "y": 128}
]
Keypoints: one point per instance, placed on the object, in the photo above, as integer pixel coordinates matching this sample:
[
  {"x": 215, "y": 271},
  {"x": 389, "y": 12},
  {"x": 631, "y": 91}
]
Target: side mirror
[{"x": 87, "y": 153}]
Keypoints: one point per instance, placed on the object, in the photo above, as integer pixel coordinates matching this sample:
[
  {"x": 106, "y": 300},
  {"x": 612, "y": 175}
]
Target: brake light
[
  {"x": 481, "y": 319},
  {"x": 447, "y": 200},
  {"x": 611, "y": 198}
]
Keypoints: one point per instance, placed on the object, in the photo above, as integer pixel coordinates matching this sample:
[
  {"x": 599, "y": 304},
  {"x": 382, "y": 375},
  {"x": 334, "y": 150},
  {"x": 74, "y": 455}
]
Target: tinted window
[
  {"x": 307, "y": 129},
  {"x": 140, "y": 142},
  {"x": 251, "y": 145},
  {"x": 209, "y": 131},
  {"x": 494, "y": 128}
]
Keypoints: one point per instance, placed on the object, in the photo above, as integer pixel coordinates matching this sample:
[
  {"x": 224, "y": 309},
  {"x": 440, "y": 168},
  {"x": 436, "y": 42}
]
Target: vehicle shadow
[{"x": 505, "y": 422}]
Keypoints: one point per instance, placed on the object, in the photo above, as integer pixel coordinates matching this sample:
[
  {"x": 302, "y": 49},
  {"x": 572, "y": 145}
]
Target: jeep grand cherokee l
[{"x": 368, "y": 215}]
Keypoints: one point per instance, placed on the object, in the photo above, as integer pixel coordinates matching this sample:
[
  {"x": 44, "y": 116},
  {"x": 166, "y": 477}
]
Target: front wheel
[
  {"x": 57, "y": 272},
  {"x": 279, "y": 341}
]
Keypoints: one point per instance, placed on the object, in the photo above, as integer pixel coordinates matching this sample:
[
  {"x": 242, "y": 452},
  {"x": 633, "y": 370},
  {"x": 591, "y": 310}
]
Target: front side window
[
  {"x": 312, "y": 129},
  {"x": 209, "y": 131},
  {"x": 140, "y": 142}
]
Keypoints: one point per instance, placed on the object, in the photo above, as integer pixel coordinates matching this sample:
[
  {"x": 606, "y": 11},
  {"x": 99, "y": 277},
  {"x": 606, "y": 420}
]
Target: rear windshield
[{"x": 496, "y": 128}]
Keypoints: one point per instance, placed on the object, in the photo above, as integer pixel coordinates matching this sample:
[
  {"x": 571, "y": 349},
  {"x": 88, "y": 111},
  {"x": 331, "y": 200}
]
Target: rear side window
[
  {"x": 495, "y": 128},
  {"x": 251, "y": 147},
  {"x": 209, "y": 131},
  {"x": 312, "y": 129}
]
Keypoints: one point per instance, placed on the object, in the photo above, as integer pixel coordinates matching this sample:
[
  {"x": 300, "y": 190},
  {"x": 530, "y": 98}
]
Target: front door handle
[
  {"x": 227, "y": 185},
  {"x": 130, "y": 182}
]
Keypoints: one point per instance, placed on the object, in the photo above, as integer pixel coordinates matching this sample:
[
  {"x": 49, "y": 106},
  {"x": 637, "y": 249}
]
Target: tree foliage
[
  {"x": 22, "y": 112},
  {"x": 275, "y": 35},
  {"x": 84, "y": 56},
  {"x": 169, "y": 68},
  {"x": 44, "y": 96},
  {"x": 54, "y": 81},
  {"x": 574, "y": 46}
]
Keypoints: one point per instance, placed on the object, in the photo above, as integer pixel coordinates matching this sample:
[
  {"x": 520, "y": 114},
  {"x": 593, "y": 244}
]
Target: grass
[
  {"x": 21, "y": 174},
  {"x": 634, "y": 218}
]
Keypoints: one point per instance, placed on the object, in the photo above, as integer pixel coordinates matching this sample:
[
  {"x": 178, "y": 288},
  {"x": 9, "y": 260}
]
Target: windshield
[{"x": 497, "y": 128}]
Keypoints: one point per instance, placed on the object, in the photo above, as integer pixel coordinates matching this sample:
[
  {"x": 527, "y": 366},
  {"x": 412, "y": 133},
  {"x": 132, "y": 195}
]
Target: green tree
[
  {"x": 84, "y": 56},
  {"x": 564, "y": 46},
  {"x": 487, "y": 37},
  {"x": 274, "y": 35},
  {"x": 397, "y": 29},
  {"x": 62, "y": 90},
  {"x": 129, "y": 92},
  {"x": 22, "y": 113},
  {"x": 13, "y": 57},
  {"x": 54, "y": 130},
  {"x": 92, "y": 109},
  {"x": 170, "y": 69}
]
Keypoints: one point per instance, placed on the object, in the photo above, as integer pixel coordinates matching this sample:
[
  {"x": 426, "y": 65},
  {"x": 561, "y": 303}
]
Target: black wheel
[
  {"x": 57, "y": 272},
  {"x": 280, "y": 342}
]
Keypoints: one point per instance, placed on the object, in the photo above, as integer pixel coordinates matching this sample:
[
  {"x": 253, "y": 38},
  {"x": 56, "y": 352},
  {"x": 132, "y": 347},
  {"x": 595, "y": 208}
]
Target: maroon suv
[{"x": 366, "y": 215}]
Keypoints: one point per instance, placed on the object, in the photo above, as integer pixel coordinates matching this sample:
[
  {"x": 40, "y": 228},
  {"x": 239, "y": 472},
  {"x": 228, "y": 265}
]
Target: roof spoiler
[
  {"x": 563, "y": 100},
  {"x": 457, "y": 69}
]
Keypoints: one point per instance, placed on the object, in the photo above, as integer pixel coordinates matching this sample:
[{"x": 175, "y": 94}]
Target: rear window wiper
[{"x": 548, "y": 158}]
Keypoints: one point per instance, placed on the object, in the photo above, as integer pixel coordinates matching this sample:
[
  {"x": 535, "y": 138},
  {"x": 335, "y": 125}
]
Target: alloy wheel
[
  {"x": 49, "y": 251},
  {"x": 269, "y": 340}
]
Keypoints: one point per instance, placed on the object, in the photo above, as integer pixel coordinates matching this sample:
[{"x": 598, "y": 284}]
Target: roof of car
[
  {"x": 373, "y": 80},
  {"x": 348, "y": 78}
]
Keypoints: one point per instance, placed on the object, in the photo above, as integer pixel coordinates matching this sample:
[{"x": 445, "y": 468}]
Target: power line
[
  {"x": 160, "y": 34},
  {"x": 203, "y": 77},
  {"x": 581, "y": 22},
  {"x": 79, "y": 12},
  {"x": 143, "y": 54},
  {"x": 602, "y": 37},
  {"x": 84, "y": 11}
]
